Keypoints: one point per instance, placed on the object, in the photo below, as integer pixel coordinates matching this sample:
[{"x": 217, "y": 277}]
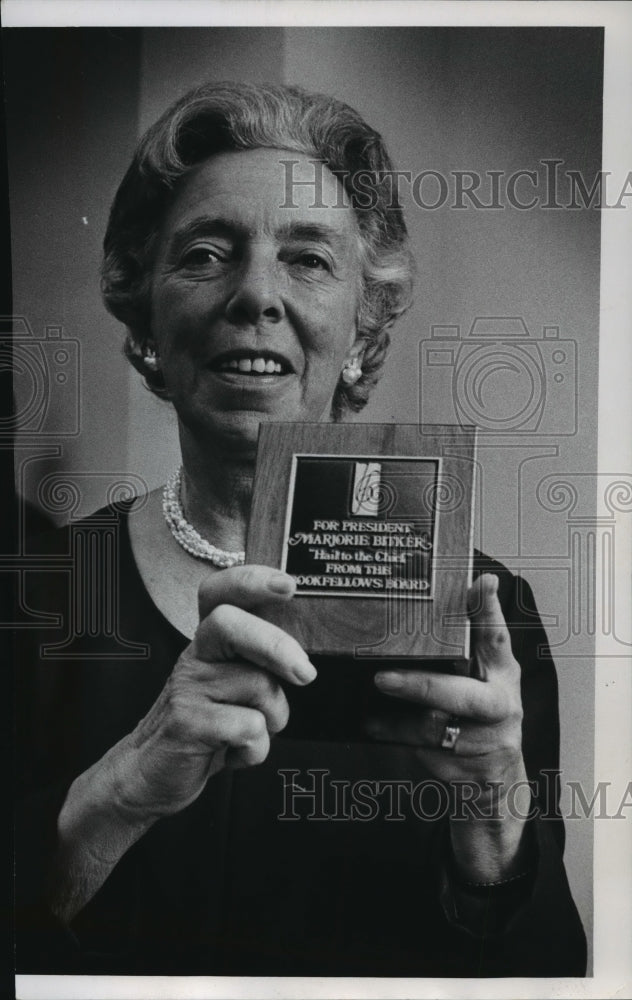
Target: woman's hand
[
  {"x": 223, "y": 700},
  {"x": 219, "y": 708},
  {"x": 488, "y": 752},
  {"x": 488, "y": 705}
]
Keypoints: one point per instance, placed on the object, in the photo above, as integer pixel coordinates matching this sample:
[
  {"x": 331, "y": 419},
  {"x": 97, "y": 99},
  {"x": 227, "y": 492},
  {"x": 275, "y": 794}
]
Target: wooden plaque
[{"x": 375, "y": 523}]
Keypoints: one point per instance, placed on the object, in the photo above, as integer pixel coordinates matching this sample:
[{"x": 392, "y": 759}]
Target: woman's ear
[
  {"x": 352, "y": 367},
  {"x": 357, "y": 347}
]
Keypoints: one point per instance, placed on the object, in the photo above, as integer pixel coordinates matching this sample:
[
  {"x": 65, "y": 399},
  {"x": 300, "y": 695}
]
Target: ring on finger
[{"x": 451, "y": 734}]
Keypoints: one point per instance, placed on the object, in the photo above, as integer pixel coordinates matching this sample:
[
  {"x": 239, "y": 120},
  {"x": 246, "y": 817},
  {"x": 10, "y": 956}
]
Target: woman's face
[{"x": 253, "y": 307}]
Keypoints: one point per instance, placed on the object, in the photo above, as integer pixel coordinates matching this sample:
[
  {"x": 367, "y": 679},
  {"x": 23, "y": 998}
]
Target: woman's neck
[{"x": 216, "y": 494}]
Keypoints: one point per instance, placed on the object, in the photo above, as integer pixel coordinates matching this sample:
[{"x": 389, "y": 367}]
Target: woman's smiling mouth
[{"x": 251, "y": 362}]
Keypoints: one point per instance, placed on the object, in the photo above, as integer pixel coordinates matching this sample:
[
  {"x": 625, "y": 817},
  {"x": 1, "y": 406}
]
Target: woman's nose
[{"x": 256, "y": 294}]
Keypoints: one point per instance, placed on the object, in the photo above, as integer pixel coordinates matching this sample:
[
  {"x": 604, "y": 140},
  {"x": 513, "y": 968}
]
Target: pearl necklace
[{"x": 186, "y": 535}]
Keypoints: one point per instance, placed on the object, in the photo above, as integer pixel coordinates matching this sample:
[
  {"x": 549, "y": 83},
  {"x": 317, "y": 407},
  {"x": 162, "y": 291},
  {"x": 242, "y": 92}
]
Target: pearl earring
[
  {"x": 351, "y": 371},
  {"x": 150, "y": 359}
]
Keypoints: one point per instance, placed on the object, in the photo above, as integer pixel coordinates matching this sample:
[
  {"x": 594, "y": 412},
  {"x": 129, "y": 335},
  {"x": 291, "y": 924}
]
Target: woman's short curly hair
[{"x": 218, "y": 117}]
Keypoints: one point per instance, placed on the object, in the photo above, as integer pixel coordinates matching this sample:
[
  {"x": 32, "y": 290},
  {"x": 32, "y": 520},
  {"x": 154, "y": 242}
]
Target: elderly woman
[{"x": 171, "y": 826}]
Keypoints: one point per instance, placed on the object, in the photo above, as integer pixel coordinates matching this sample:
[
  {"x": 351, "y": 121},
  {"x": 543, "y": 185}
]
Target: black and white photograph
[{"x": 322, "y": 517}]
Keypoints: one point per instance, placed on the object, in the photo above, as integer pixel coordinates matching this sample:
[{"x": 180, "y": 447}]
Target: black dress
[{"x": 329, "y": 859}]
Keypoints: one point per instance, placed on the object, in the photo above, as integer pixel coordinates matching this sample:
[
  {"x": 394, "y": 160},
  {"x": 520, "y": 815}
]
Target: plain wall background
[{"x": 445, "y": 100}]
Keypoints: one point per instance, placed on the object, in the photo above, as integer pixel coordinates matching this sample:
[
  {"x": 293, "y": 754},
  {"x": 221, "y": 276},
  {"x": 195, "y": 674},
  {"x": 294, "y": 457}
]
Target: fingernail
[
  {"x": 306, "y": 672},
  {"x": 388, "y": 681},
  {"x": 495, "y": 582},
  {"x": 281, "y": 583}
]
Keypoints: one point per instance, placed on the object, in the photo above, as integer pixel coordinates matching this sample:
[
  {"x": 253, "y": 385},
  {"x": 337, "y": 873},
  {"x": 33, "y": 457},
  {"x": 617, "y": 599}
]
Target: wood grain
[{"x": 390, "y": 625}]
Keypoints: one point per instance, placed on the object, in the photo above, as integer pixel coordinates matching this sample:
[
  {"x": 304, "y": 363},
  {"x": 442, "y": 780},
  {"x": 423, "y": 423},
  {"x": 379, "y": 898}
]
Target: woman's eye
[
  {"x": 314, "y": 261},
  {"x": 202, "y": 256}
]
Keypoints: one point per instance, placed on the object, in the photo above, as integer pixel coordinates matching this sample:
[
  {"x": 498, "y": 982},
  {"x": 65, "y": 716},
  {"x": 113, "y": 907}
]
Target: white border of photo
[{"x": 613, "y": 677}]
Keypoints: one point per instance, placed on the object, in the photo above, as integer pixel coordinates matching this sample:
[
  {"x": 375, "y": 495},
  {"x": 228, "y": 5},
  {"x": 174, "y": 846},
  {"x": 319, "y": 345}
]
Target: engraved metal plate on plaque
[{"x": 358, "y": 527}]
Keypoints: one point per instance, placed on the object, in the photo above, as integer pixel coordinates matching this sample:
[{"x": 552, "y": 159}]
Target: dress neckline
[{"x": 129, "y": 568}]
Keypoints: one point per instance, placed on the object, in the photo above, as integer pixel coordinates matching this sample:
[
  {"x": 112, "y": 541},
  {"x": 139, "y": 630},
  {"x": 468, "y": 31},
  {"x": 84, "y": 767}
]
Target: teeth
[{"x": 260, "y": 366}]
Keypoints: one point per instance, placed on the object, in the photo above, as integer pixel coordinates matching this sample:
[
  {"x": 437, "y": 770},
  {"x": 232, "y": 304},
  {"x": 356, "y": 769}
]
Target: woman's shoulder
[
  {"x": 514, "y": 592},
  {"x": 507, "y": 581},
  {"x": 82, "y": 554},
  {"x": 89, "y": 564},
  {"x": 487, "y": 564},
  {"x": 49, "y": 539}
]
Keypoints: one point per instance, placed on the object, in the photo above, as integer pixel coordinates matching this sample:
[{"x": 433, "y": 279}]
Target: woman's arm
[
  {"x": 502, "y": 887},
  {"x": 218, "y": 709},
  {"x": 489, "y": 843}
]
